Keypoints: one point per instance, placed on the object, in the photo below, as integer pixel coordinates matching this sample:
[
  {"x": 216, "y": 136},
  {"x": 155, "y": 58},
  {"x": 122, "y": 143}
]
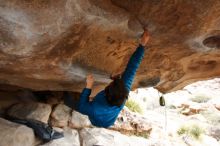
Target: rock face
[
  {"x": 60, "y": 116},
  {"x": 31, "y": 110},
  {"x": 71, "y": 138},
  {"x": 100, "y": 136},
  {"x": 79, "y": 120},
  {"x": 15, "y": 135},
  {"x": 131, "y": 123},
  {"x": 47, "y": 45}
]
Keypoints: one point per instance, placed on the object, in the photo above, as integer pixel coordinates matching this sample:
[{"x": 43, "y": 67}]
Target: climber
[{"x": 107, "y": 104}]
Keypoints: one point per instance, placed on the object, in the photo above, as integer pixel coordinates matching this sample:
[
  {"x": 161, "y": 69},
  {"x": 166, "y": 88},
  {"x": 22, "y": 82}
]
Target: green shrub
[
  {"x": 172, "y": 107},
  {"x": 200, "y": 99},
  {"x": 196, "y": 131},
  {"x": 133, "y": 106},
  {"x": 182, "y": 130},
  {"x": 193, "y": 130},
  {"x": 144, "y": 135}
]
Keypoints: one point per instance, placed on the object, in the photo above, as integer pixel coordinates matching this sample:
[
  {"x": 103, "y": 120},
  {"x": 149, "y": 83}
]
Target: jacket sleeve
[
  {"x": 85, "y": 107},
  {"x": 132, "y": 66}
]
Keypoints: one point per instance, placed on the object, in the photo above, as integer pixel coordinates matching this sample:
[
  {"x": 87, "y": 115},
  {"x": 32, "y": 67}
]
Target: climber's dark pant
[{"x": 71, "y": 99}]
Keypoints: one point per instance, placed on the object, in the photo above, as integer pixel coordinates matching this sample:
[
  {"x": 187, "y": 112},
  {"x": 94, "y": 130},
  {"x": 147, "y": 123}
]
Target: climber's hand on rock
[
  {"x": 89, "y": 81},
  {"x": 145, "y": 38}
]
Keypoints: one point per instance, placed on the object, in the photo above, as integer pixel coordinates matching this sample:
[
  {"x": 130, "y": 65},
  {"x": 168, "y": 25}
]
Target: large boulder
[
  {"x": 79, "y": 120},
  {"x": 47, "y": 45},
  {"x": 13, "y": 134},
  {"x": 31, "y": 110},
  {"x": 60, "y": 116},
  {"x": 71, "y": 138},
  {"x": 101, "y": 136},
  {"x": 132, "y": 123}
]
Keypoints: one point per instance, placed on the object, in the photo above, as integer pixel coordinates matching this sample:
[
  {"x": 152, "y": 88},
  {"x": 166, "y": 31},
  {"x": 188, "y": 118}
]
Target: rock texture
[
  {"x": 31, "y": 110},
  {"x": 60, "y": 116},
  {"x": 47, "y": 45},
  {"x": 13, "y": 134},
  {"x": 100, "y": 136},
  {"x": 79, "y": 120},
  {"x": 71, "y": 138},
  {"x": 131, "y": 123}
]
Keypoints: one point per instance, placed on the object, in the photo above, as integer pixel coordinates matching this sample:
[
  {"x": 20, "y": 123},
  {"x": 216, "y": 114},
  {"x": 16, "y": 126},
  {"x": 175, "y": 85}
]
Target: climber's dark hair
[{"x": 116, "y": 92}]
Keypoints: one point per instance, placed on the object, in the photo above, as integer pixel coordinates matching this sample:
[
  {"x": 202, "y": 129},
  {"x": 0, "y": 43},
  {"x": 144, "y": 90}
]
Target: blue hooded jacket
[{"x": 99, "y": 111}]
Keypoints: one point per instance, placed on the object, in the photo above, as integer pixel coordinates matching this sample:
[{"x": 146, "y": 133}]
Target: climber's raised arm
[
  {"x": 135, "y": 60},
  {"x": 84, "y": 104}
]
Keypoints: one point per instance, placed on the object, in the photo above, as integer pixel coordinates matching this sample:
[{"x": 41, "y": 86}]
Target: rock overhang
[{"x": 53, "y": 45}]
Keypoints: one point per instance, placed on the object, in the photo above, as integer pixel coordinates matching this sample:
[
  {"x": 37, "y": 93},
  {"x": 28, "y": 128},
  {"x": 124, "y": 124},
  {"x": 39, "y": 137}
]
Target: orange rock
[{"x": 53, "y": 45}]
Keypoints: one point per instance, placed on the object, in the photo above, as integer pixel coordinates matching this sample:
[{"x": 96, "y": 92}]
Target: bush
[
  {"x": 134, "y": 106},
  {"x": 182, "y": 130},
  {"x": 144, "y": 135},
  {"x": 200, "y": 99},
  {"x": 172, "y": 107},
  {"x": 194, "y": 131}
]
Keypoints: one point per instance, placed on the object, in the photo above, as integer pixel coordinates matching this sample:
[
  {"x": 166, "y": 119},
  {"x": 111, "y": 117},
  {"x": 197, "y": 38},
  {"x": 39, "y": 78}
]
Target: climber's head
[{"x": 116, "y": 92}]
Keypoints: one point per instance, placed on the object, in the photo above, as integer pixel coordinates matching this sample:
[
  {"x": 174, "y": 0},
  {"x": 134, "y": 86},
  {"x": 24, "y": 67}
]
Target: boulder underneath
[
  {"x": 31, "y": 110},
  {"x": 71, "y": 138},
  {"x": 13, "y": 134},
  {"x": 60, "y": 116},
  {"x": 100, "y": 136}
]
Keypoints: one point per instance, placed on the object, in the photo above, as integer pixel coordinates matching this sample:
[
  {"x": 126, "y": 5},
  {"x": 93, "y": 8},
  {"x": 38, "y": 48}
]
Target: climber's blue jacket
[{"x": 100, "y": 113}]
